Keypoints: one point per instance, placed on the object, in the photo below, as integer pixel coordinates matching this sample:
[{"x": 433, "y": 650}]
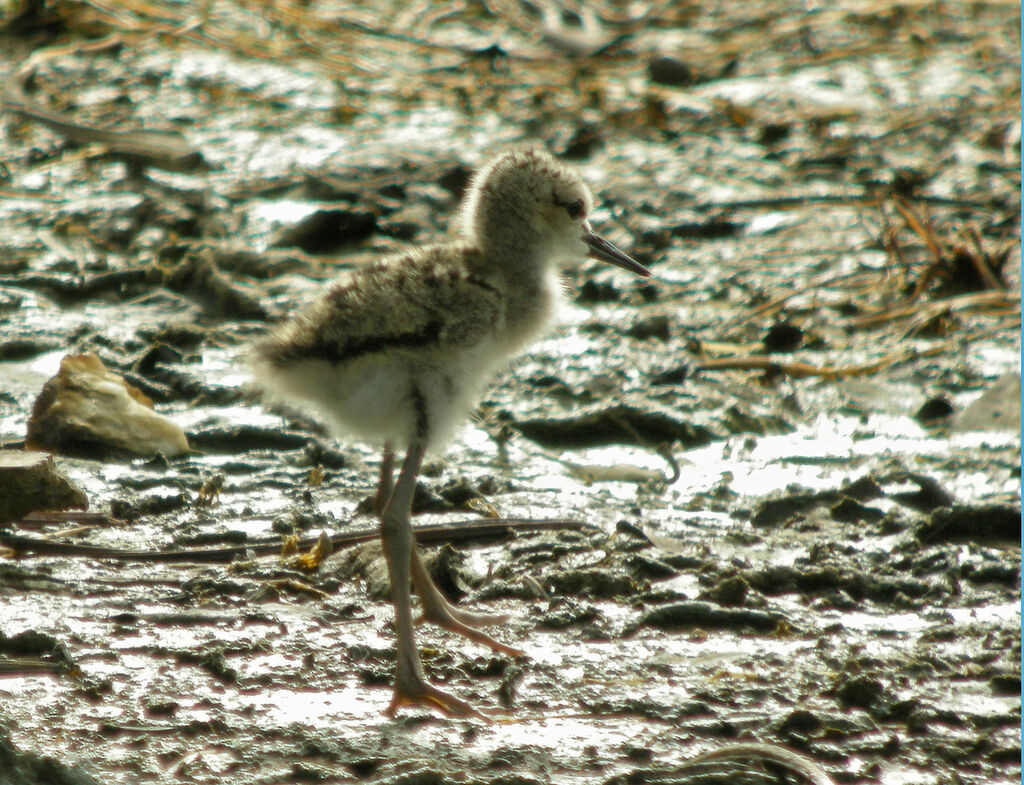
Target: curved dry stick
[
  {"x": 736, "y": 760},
  {"x": 800, "y": 370},
  {"x": 459, "y": 532},
  {"x": 161, "y": 149}
]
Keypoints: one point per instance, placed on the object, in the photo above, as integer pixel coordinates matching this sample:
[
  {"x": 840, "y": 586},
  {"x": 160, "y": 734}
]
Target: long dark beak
[{"x": 606, "y": 252}]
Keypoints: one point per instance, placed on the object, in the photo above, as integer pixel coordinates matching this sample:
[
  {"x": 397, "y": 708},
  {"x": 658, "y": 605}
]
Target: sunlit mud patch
[{"x": 340, "y": 708}]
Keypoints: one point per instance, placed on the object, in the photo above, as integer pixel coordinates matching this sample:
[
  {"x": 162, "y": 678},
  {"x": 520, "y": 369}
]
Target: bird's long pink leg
[
  {"x": 411, "y": 686},
  {"x": 385, "y": 481},
  {"x": 436, "y": 608}
]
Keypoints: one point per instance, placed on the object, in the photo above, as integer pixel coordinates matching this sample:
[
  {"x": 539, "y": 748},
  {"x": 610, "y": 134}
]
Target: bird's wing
[{"x": 429, "y": 299}]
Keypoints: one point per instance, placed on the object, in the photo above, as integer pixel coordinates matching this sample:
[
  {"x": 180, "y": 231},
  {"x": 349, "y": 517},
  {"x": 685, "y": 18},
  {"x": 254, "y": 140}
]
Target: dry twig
[{"x": 801, "y": 370}]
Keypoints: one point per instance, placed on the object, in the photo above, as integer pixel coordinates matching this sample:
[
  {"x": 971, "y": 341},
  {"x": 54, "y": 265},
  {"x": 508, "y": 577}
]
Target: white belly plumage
[{"x": 376, "y": 397}]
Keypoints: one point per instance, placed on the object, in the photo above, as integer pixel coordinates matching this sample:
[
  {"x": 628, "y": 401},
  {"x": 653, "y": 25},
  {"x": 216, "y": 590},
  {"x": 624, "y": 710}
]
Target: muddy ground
[{"x": 790, "y": 515}]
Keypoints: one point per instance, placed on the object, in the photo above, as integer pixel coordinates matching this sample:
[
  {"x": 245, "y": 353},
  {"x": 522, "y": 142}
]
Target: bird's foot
[
  {"x": 417, "y": 692},
  {"x": 466, "y": 624},
  {"x": 443, "y": 613},
  {"x": 438, "y": 610}
]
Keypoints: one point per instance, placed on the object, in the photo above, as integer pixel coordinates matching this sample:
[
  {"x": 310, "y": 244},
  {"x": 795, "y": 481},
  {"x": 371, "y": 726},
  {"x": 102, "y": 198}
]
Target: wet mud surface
[{"x": 789, "y": 463}]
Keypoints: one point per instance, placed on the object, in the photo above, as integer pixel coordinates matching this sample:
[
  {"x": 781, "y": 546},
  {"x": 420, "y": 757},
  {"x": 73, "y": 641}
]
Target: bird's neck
[
  {"x": 529, "y": 281},
  {"x": 519, "y": 256},
  {"x": 531, "y": 308}
]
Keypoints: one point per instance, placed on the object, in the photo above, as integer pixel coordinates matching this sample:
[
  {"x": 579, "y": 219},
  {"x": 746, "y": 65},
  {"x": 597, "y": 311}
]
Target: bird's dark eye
[{"x": 575, "y": 209}]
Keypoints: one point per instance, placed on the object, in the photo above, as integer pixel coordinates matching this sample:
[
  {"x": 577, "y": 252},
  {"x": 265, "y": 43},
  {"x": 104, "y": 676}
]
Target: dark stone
[
  {"x": 646, "y": 568},
  {"x": 586, "y": 139},
  {"x": 651, "y": 327},
  {"x": 934, "y": 409},
  {"x": 704, "y": 615},
  {"x": 675, "y": 375},
  {"x": 800, "y": 721},
  {"x": 593, "y": 583},
  {"x": 728, "y": 591},
  {"x": 598, "y": 292},
  {"x": 972, "y": 524},
  {"x": 669, "y": 71},
  {"x": 621, "y": 424},
  {"x": 30, "y": 481},
  {"x": 234, "y": 439},
  {"x": 783, "y": 337},
  {"x": 328, "y": 230},
  {"x": 850, "y": 511},
  {"x": 772, "y": 133},
  {"x": 863, "y": 691},
  {"x": 24, "y": 348},
  {"x": 710, "y": 229},
  {"x": 31, "y": 643}
]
